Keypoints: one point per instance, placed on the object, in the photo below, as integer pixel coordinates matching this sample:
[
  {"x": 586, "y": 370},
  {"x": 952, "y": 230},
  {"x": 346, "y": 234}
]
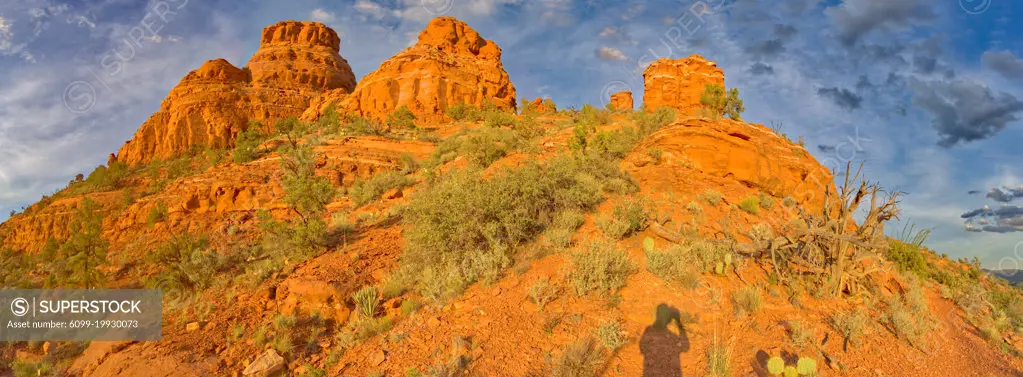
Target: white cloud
[
  {"x": 611, "y": 53},
  {"x": 368, "y": 7},
  {"x": 321, "y": 15}
]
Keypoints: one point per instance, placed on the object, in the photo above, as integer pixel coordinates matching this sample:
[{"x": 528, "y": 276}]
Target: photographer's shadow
[{"x": 661, "y": 347}]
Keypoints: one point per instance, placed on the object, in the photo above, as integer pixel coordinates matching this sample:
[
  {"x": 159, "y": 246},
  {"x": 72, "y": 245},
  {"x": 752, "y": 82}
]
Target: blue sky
[{"x": 927, "y": 94}]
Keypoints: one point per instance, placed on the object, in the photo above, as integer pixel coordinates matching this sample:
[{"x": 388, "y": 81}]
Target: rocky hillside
[{"x": 422, "y": 222}]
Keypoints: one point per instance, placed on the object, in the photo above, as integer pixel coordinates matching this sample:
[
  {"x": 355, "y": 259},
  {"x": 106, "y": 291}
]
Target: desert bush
[
  {"x": 802, "y": 336},
  {"x": 582, "y": 358},
  {"x": 402, "y": 118},
  {"x": 366, "y": 300},
  {"x": 766, "y": 201},
  {"x": 363, "y": 192},
  {"x": 542, "y": 292},
  {"x": 713, "y": 100},
  {"x": 465, "y": 226},
  {"x": 789, "y": 202},
  {"x": 357, "y": 125},
  {"x": 601, "y": 267},
  {"x": 611, "y": 335},
  {"x": 648, "y": 122},
  {"x": 675, "y": 264},
  {"x": 104, "y": 178},
  {"x": 747, "y": 300},
  {"x": 407, "y": 163},
  {"x": 157, "y": 214},
  {"x": 593, "y": 116},
  {"x": 628, "y": 216},
  {"x": 908, "y": 315},
  {"x": 751, "y": 205},
  {"x": 852, "y": 325},
  {"x": 499, "y": 119},
  {"x": 908, "y": 258},
  {"x": 247, "y": 143},
  {"x": 464, "y": 112},
  {"x": 339, "y": 224},
  {"x": 711, "y": 197},
  {"x": 481, "y": 146}
]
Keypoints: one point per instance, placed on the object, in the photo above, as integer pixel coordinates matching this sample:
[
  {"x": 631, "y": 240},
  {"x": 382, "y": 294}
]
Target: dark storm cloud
[
  {"x": 1000, "y": 196},
  {"x": 963, "y": 110},
  {"x": 760, "y": 69},
  {"x": 1005, "y": 219},
  {"x": 766, "y": 48},
  {"x": 842, "y": 97},
  {"x": 784, "y": 31},
  {"x": 973, "y": 192},
  {"x": 853, "y": 19},
  {"x": 1005, "y": 63}
]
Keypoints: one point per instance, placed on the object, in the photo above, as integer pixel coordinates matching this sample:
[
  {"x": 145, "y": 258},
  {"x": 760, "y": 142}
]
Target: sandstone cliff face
[
  {"x": 622, "y": 100},
  {"x": 450, "y": 64},
  {"x": 296, "y": 62},
  {"x": 679, "y": 83}
]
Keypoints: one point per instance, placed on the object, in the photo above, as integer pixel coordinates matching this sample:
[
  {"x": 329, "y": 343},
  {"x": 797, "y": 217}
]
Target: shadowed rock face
[
  {"x": 450, "y": 64},
  {"x": 678, "y": 83},
  {"x": 296, "y": 62}
]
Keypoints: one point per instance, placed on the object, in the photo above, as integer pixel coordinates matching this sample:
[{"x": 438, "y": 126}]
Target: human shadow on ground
[{"x": 662, "y": 348}]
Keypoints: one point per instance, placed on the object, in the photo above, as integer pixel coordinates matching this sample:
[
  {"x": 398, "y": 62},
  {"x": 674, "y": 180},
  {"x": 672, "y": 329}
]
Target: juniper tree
[
  {"x": 85, "y": 249},
  {"x": 733, "y": 105},
  {"x": 713, "y": 99}
]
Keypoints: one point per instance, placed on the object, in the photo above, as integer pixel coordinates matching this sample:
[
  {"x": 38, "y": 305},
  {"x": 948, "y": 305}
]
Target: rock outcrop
[
  {"x": 622, "y": 100},
  {"x": 678, "y": 83},
  {"x": 450, "y": 64},
  {"x": 296, "y": 61}
]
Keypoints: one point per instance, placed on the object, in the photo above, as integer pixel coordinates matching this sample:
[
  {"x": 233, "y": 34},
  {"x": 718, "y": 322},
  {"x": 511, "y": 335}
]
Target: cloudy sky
[{"x": 928, "y": 94}]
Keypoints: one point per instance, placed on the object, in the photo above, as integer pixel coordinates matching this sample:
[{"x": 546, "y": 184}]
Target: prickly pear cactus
[
  {"x": 775, "y": 365},
  {"x": 791, "y": 371},
  {"x": 728, "y": 259},
  {"x": 720, "y": 268},
  {"x": 648, "y": 244},
  {"x": 806, "y": 366}
]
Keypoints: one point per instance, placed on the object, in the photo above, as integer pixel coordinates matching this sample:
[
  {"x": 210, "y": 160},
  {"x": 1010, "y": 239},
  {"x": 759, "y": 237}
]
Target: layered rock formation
[
  {"x": 450, "y": 64},
  {"x": 679, "y": 83},
  {"x": 296, "y": 61},
  {"x": 543, "y": 106},
  {"x": 622, "y": 100}
]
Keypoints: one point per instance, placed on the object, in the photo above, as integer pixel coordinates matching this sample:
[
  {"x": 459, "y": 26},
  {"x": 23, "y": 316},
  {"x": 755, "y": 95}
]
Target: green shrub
[
  {"x": 802, "y": 336},
  {"x": 766, "y": 201},
  {"x": 292, "y": 130},
  {"x": 465, "y": 226},
  {"x": 246, "y": 145},
  {"x": 713, "y": 100},
  {"x": 629, "y": 216},
  {"x": 105, "y": 178},
  {"x": 601, "y": 267},
  {"x": 611, "y": 335},
  {"x": 79, "y": 258},
  {"x": 366, "y": 300},
  {"x": 909, "y": 316},
  {"x": 357, "y": 125},
  {"x": 595, "y": 117},
  {"x": 464, "y": 112},
  {"x": 189, "y": 266},
  {"x": 789, "y": 202},
  {"x": 499, "y": 119},
  {"x": 402, "y": 118},
  {"x": 157, "y": 214},
  {"x": 907, "y": 257},
  {"x": 711, "y": 197},
  {"x": 649, "y": 122},
  {"x": 751, "y": 205},
  {"x": 677, "y": 263},
  {"x": 363, "y": 192},
  {"x": 480, "y": 146},
  {"x": 582, "y": 358}
]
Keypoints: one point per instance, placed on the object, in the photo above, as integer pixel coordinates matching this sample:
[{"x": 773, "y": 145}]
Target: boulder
[{"x": 265, "y": 365}]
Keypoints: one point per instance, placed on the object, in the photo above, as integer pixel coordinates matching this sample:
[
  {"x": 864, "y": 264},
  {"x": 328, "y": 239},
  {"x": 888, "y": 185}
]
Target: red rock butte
[
  {"x": 450, "y": 64},
  {"x": 296, "y": 61},
  {"x": 679, "y": 83}
]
